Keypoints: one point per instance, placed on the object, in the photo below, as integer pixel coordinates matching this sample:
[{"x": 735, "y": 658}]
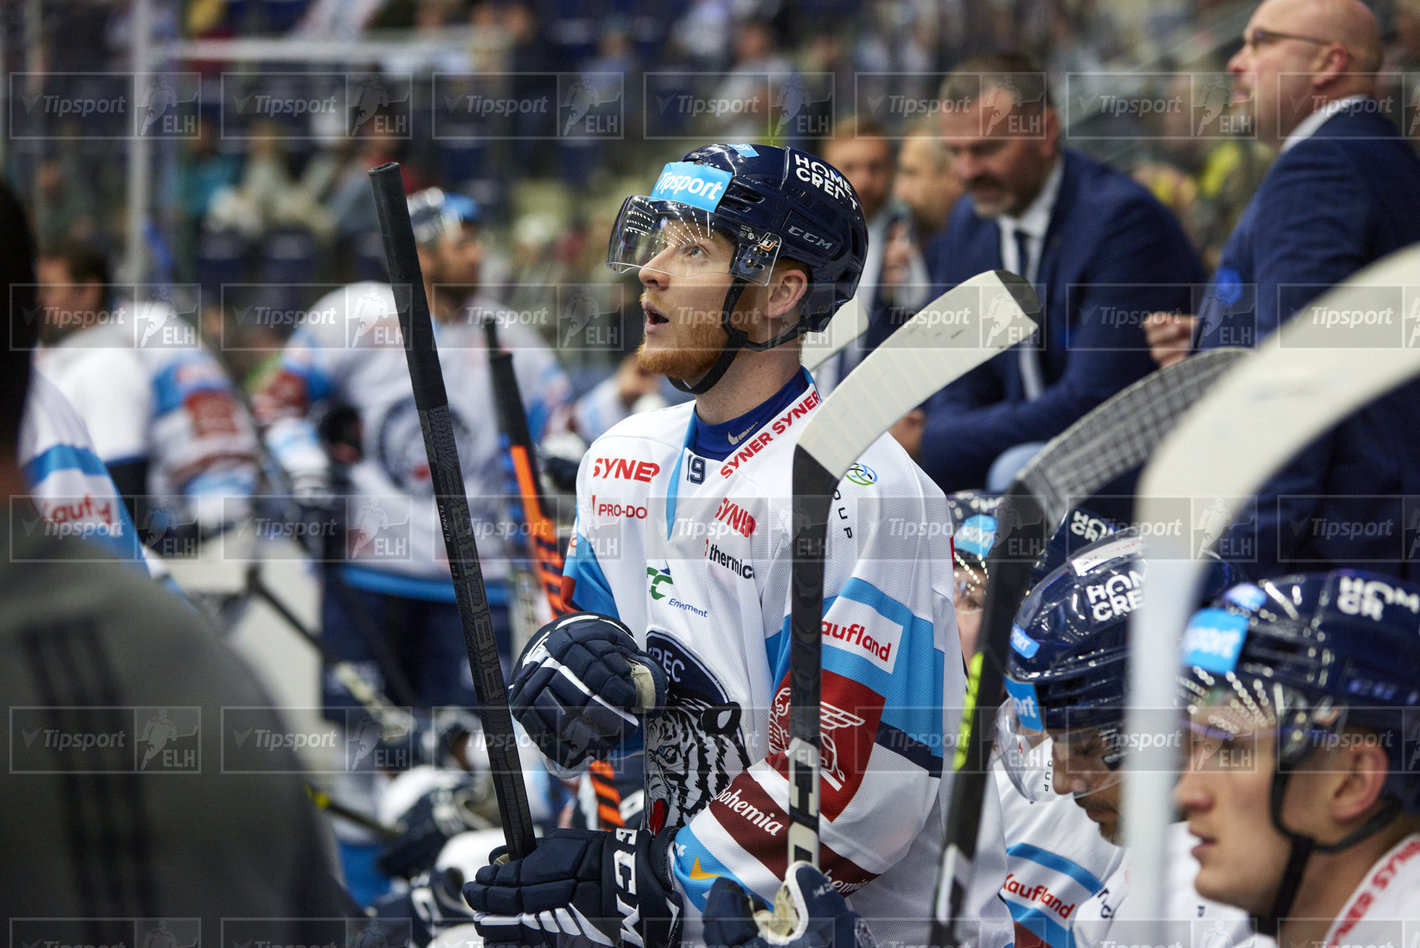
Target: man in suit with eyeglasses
[{"x": 1343, "y": 193}]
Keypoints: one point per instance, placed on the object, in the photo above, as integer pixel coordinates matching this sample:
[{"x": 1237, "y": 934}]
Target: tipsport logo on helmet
[
  {"x": 689, "y": 183},
  {"x": 1024, "y": 703},
  {"x": 1213, "y": 640}
]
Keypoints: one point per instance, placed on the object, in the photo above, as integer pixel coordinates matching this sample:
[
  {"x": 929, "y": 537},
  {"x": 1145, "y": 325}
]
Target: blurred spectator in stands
[
  {"x": 924, "y": 183},
  {"x": 351, "y": 204},
  {"x": 704, "y": 32},
  {"x": 758, "y": 70},
  {"x": 926, "y": 188},
  {"x": 267, "y": 196},
  {"x": 1100, "y": 250},
  {"x": 1402, "y": 61},
  {"x": 65, "y": 201},
  {"x": 1199, "y": 167},
  {"x": 204, "y": 171}
]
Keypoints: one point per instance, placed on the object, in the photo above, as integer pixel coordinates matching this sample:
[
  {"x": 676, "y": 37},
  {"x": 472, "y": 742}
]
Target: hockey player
[
  {"x": 394, "y": 580},
  {"x": 163, "y": 415},
  {"x": 682, "y": 547},
  {"x": 69, "y": 485},
  {"x": 1060, "y": 733},
  {"x": 1302, "y": 786},
  {"x": 1052, "y": 847}
]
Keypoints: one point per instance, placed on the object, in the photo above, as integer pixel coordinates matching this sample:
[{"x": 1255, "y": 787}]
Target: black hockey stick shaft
[
  {"x": 395, "y": 722},
  {"x": 813, "y": 499},
  {"x": 432, "y": 402},
  {"x": 1008, "y": 564},
  {"x": 325, "y": 801},
  {"x": 522, "y": 453}
]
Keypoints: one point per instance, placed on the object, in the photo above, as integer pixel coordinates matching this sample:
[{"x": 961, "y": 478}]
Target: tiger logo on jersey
[
  {"x": 694, "y": 747},
  {"x": 400, "y": 448}
]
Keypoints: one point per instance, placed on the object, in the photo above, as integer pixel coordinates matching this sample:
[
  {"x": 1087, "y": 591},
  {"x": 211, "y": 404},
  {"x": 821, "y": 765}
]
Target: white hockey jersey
[
  {"x": 1385, "y": 908},
  {"x": 69, "y": 485},
  {"x": 1210, "y": 924},
  {"x": 684, "y": 532},
  {"x": 148, "y": 391},
  {"x": 349, "y": 351},
  {"x": 1056, "y": 860}
]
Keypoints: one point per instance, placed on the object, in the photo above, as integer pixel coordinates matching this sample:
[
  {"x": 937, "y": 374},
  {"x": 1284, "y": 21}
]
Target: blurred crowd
[{"x": 273, "y": 203}]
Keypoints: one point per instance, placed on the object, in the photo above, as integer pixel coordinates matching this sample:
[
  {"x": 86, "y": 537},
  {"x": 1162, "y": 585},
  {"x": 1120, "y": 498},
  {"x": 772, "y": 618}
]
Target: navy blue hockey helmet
[
  {"x": 770, "y": 202},
  {"x": 973, "y": 514},
  {"x": 1079, "y": 529},
  {"x": 1066, "y": 670},
  {"x": 434, "y": 212},
  {"x": 1318, "y": 662},
  {"x": 1306, "y": 656}
]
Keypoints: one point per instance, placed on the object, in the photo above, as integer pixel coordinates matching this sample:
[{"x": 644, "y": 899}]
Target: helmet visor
[
  {"x": 1238, "y": 722},
  {"x": 686, "y": 242},
  {"x": 1042, "y": 764}
]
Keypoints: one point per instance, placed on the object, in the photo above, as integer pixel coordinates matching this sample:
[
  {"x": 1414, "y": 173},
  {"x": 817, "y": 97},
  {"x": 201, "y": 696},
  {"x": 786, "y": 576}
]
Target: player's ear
[
  {"x": 787, "y": 286},
  {"x": 1361, "y": 769}
]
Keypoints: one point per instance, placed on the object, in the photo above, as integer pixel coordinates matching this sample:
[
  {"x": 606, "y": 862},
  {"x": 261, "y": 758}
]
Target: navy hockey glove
[
  {"x": 808, "y": 913},
  {"x": 432, "y": 821},
  {"x": 580, "y": 685},
  {"x": 580, "y": 887},
  {"x": 429, "y": 907}
]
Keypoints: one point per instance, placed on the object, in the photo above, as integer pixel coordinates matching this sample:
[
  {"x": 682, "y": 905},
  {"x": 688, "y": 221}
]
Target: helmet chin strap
[
  {"x": 1303, "y": 846},
  {"x": 738, "y": 341}
]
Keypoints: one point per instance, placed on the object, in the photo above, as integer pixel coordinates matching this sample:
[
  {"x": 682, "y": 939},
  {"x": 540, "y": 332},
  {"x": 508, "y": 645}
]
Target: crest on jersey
[
  {"x": 694, "y": 748},
  {"x": 400, "y": 447}
]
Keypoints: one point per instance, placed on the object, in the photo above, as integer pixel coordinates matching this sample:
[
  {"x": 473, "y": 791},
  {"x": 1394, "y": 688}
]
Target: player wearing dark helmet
[
  {"x": 683, "y": 549},
  {"x": 751, "y": 205},
  {"x": 1302, "y": 786},
  {"x": 1061, "y": 735}
]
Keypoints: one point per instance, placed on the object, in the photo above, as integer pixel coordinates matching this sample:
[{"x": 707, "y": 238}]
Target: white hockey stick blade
[
  {"x": 949, "y": 337},
  {"x": 846, "y": 326},
  {"x": 933, "y": 348},
  {"x": 1303, "y": 379}
]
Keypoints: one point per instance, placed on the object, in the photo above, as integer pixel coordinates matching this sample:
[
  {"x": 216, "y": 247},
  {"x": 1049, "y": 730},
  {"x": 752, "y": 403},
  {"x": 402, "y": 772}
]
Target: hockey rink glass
[
  {"x": 1044, "y": 764},
  {"x": 686, "y": 242}
]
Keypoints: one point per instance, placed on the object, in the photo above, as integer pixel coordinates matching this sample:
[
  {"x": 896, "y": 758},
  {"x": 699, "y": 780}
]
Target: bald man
[
  {"x": 1305, "y": 74},
  {"x": 1343, "y": 192}
]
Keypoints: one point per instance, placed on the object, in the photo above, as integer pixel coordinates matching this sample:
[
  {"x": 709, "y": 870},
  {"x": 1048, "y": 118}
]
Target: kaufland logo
[
  {"x": 855, "y": 636},
  {"x": 1038, "y": 893}
]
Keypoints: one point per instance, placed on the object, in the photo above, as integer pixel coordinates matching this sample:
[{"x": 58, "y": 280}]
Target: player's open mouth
[{"x": 654, "y": 316}]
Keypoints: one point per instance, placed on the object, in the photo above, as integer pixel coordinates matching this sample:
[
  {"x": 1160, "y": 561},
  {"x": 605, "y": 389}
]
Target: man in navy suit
[
  {"x": 1343, "y": 192},
  {"x": 1102, "y": 253}
]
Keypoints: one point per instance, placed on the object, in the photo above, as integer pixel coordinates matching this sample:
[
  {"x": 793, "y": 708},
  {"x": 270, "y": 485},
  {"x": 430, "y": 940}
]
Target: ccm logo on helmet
[{"x": 795, "y": 230}]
